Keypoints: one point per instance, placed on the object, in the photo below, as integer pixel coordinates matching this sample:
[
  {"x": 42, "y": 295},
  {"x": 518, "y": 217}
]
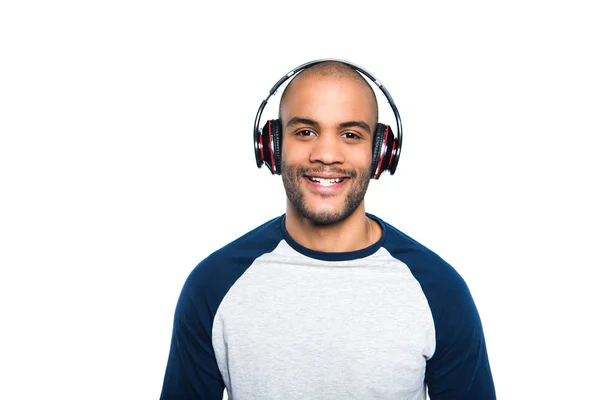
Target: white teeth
[{"x": 326, "y": 182}]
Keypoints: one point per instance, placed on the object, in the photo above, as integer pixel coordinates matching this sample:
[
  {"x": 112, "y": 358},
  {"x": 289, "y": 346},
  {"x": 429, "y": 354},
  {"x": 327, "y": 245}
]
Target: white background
[{"x": 126, "y": 157}]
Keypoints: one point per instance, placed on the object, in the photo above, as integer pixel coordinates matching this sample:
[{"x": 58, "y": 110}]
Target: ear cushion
[
  {"x": 276, "y": 133},
  {"x": 271, "y": 145},
  {"x": 393, "y": 154},
  {"x": 378, "y": 142}
]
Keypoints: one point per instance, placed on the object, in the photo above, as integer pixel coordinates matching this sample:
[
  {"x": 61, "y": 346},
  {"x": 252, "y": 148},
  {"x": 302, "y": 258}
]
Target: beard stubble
[{"x": 292, "y": 176}]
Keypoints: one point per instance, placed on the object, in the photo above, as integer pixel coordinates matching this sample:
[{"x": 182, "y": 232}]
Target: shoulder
[
  {"x": 441, "y": 283},
  {"x": 235, "y": 257},
  {"x": 420, "y": 259},
  {"x": 212, "y": 278}
]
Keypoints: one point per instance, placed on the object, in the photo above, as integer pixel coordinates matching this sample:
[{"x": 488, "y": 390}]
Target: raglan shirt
[{"x": 269, "y": 319}]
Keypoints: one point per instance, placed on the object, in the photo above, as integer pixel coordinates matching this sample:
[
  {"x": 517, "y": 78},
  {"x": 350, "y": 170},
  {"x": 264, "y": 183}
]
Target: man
[{"x": 326, "y": 301}]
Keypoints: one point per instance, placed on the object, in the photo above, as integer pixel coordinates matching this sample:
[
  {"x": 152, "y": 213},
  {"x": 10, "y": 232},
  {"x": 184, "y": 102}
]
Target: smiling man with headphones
[{"x": 327, "y": 301}]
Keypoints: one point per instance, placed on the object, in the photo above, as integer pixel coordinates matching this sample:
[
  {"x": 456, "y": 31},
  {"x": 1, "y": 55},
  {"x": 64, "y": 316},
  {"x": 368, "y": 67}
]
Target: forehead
[{"x": 329, "y": 97}]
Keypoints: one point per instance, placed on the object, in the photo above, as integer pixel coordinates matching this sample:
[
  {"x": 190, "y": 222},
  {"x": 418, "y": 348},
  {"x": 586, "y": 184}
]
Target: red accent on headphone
[
  {"x": 271, "y": 148},
  {"x": 383, "y": 149},
  {"x": 262, "y": 153},
  {"x": 392, "y": 155}
]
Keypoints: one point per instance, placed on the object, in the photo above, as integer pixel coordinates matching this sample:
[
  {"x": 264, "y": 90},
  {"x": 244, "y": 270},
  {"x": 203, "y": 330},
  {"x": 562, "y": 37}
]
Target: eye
[
  {"x": 352, "y": 135},
  {"x": 305, "y": 133}
]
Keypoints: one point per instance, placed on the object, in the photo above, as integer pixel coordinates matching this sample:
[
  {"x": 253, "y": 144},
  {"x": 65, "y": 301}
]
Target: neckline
[{"x": 336, "y": 256}]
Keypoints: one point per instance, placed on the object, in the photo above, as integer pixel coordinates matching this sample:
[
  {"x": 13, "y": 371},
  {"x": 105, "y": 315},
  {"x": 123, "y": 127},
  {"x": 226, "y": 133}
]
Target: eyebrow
[
  {"x": 359, "y": 124},
  {"x": 302, "y": 121},
  {"x": 315, "y": 124}
]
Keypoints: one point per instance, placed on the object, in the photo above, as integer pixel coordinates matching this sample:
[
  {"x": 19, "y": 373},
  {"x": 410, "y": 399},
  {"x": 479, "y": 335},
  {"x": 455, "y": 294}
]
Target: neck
[{"x": 355, "y": 232}]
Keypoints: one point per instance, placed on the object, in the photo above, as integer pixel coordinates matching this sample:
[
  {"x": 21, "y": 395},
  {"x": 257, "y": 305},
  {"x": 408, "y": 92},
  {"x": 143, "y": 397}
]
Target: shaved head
[{"x": 334, "y": 69}]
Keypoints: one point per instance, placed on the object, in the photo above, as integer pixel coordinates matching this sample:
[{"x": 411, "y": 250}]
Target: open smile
[
  {"x": 325, "y": 181},
  {"x": 326, "y": 184}
]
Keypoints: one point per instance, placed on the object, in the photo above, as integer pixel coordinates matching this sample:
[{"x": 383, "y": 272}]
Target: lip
[
  {"x": 334, "y": 189},
  {"x": 327, "y": 176}
]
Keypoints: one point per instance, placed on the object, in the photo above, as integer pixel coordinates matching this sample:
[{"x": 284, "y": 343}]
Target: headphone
[{"x": 386, "y": 147}]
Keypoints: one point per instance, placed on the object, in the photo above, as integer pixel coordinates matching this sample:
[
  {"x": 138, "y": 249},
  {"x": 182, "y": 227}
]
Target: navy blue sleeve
[
  {"x": 192, "y": 370},
  {"x": 459, "y": 367}
]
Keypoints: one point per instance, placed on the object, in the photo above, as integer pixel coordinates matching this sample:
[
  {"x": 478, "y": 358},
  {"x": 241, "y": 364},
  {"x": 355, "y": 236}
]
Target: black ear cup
[
  {"x": 377, "y": 145},
  {"x": 385, "y": 151},
  {"x": 276, "y": 133},
  {"x": 267, "y": 146}
]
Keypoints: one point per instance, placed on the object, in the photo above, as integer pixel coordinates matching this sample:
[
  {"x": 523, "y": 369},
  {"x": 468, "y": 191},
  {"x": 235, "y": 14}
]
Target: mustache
[{"x": 301, "y": 171}]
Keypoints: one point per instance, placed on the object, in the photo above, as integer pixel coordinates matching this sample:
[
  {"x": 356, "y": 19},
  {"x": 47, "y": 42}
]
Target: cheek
[
  {"x": 361, "y": 157},
  {"x": 286, "y": 150},
  {"x": 294, "y": 153}
]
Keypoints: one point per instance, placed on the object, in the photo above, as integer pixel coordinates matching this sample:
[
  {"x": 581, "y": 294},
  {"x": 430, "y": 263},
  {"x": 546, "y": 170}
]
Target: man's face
[{"x": 327, "y": 124}]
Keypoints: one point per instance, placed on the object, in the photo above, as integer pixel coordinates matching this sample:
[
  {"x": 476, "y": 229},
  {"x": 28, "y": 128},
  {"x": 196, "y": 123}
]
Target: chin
[{"x": 323, "y": 215}]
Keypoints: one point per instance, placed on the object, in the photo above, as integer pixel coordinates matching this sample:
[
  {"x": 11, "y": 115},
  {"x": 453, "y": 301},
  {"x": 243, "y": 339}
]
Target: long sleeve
[
  {"x": 459, "y": 368},
  {"x": 192, "y": 370}
]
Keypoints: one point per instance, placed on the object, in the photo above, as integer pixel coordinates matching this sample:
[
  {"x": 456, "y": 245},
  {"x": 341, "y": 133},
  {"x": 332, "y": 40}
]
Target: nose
[{"x": 327, "y": 149}]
